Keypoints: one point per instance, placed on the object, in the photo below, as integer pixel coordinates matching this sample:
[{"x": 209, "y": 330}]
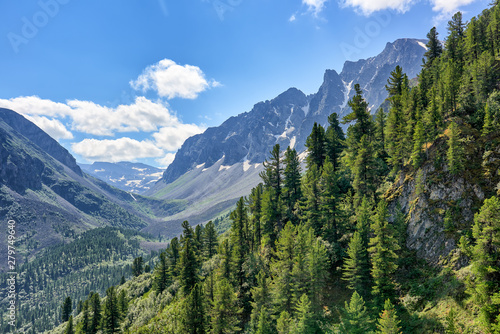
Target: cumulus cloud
[
  {"x": 314, "y": 5},
  {"x": 367, "y": 7},
  {"x": 171, "y": 138},
  {"x": 171, "y": 80},
  {"x": 121, "y": 149},
  {"x": 166, "y": 160},
  {"x": 92, "y": 118},
  {"x": 52, "y": 127}
]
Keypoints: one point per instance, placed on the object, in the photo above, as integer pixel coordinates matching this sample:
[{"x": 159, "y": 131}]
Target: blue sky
[{"x": 131, "y": 80}]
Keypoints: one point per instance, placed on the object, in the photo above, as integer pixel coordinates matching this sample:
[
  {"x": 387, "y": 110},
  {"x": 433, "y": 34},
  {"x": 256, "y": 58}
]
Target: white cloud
[
  {"x": 314, "y": 5},
  {"x": 171, "y": 80},
  {"x": 292, "y": 18},
  {"x": 52, "y": 127},
  {"x": 367, "y": 7},
  {"x": 166, "y": 160},
  {"x": 121, "y": 149},
  {"x": 449, "y": 6},
  {"x": 171, "y": 138},
  {"x": 91, "y": 118}
]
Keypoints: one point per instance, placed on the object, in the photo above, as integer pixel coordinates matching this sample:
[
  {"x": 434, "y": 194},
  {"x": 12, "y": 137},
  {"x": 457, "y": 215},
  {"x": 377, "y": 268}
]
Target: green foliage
[
  {"x": 355, "y": 265},
  {"x": 356, "y": 319},
  {"x": 224, "y": 309},
  {"x": 388, "y": 322},
  {"x": 455, "y": 152},
  {"x": 111, "y": 316},
  {"x": 316, "y": 147},
  {"x": 69, "y": 326},
  {"x": 138, "y": 266},
  {"x": 66, "y": 309}
]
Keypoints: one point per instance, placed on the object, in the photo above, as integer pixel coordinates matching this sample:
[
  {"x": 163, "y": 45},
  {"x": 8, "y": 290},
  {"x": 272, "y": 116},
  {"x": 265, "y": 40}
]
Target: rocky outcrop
[{"x": 37, "y": 136}]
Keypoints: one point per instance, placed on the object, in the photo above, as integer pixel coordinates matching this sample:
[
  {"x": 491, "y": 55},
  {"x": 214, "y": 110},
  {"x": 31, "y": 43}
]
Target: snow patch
[
  {"x": 422, "y": 45},
  {"x": 305, "y": 109},
  {"x": 199, "y": 166},
  {"x": 229, "y": 135},
  {"x": 99, "y": 170},
  {"x": 348, "y": 88},
  {"x": 293, "y": 141},
  {"x": 133, "y": 197},
  {"x": 222, "y": 167},
  {"x": 246, "y": 165},
  {"x": 303, "y": 155},
  {"x": 139, "y": 169}
]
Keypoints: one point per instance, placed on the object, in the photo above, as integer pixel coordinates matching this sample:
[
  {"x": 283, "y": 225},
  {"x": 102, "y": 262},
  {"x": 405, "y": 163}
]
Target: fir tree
[
  {"x": 85, "y": 318},
  {"x": 388, "y": 323},
  {"x": 123, "y": 304},
  {"x": 255, "y": 210},
  {"x": 305, "y": 316},
  {"x": 434, "y": 47},
  {"x": 383, "y": 247},
  {"x": 111, "y": 317},
  {"x": 292, "y": 186},
  {"x": 264, "y": 325},
  {"x": 69, "y": 327},
  {"x": 485, "y": 259},
  {"x": 95, "y": 306},
  {"x": 224, "y": 309},
  {"x": 335, "y": 140},
  {"x": 364, "y": 170},
  {"x": 66, "y": 309},
  {"x": 261, "y": 298},
  {"x": 355, "y": 266},
  {"x": 137, "y": 266},
  {"x": 284, "y": 324},
  {"x": 316, "y": 146},
  {"x": 455, "y": 152},
  {"x": 210, "y": 239},
  {"x": 161, "y": 273},
  {"x": 194, "y": 317},
  {"x": 188, "y": 271},
  {"x": 356, "y": 319}
]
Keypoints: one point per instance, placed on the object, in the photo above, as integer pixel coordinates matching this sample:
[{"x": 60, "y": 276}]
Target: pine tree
[
  {"x": 66, "y": 309},
  {"x": 383, "y": 247},
  {"x": 355, "y": 266},
  {"x": 264, "y": 325},
  {"x": 69, "y": 327},
  {"x": 224, "y": 309},
  {"x": 388, "y": 323},
  {"x": 284, "y": 324},
  {"x": 418, "y": 141},
  {"x": 123, "y": 304},
  {"x": 210, "y": 239},
  {"x": 138, "y": 266},
  {"x": 356, "y": 319},
  {"x": 317, "y": 265},
  {"x": 281, "y": 269},
  {"x": 485, "y": 259},
  {"x": 455, "y": 152},
  {"x": 188, "y": 271},
  {"x": 173, "y": 255},
  {"x": 227, "y": 260},
  {"x": 335, "y": 140},
  {"x": 111, "y": 317},
  {"x": 434, "y": 47},
  {"x": 316, "y": 146},
  {"x": 161, "y": 274},
  {"x": 292, "y": 186},
  {"x": 239, "y": 236},
  {"x": 95, "y": 306},
  {"x": 255, "y": 211},
  {"x": 85, "y": 318},
  {"x": 312, "y": 205},
  {"x": 261, "y": 298},
  {"x": 273, "y": 182},
  {"x": 194, "y": 317},
  {"x": 305, "y": 316},
  {"x": 364, "y": 170}
]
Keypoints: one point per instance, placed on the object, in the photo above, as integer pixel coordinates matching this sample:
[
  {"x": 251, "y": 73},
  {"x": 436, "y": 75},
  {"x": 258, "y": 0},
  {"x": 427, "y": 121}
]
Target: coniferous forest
[{"x": 320, "y": 246}]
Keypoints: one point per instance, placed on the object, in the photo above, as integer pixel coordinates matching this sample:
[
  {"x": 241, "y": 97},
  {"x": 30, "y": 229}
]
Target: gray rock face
[
  {"x": 288, "y": 119},
  {"x": 40, "y": 138}
]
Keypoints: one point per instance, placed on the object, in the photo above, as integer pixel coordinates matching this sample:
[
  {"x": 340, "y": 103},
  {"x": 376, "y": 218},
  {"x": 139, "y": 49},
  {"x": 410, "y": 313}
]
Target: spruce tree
[
  {"x": 255, "y": 211},
  {"x": 306, "y": 323},
  {"x": 284, "y": 325},
  {"x": 434, "y": 47},
  {"x": 66, "y": 309},
  {"x": 356, "y": 319},
  {"x": 138, "y": 266},
  {"x": 194, "y": 316},
  {"x": 316, "y": 146},
  {"x": 388, "y": 322},
  {"x": 69, "y": 327},
  {"x": 273, "y": 182},
  {"x": 188, "y": 271},
  {"x": 335, "y": 140},
  {"x": 485, "y": 259},
  {"x": 210, "y": 239},
  {"x": 355, "y": 267},
  {"x": 455, "y": 152},
  {"x": 123, "y": 304},
  {"x": 111, "y": 317},
  {"x": 312, "y": 195},
  {"x": 85, "y": 318},
  {"x": 173, "y": 255},
  {"x": 224, "y": 309},
  {"x": 264, "y": 324},
  {"x": 261, "y": 298},
  {"x": 364, "y": 171},
  {"x": 161, "y": 274},
  {"x": 95, "y": 306},
  {"x": 292, "y": 185},
  {"x": 383, "y": 247}
]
